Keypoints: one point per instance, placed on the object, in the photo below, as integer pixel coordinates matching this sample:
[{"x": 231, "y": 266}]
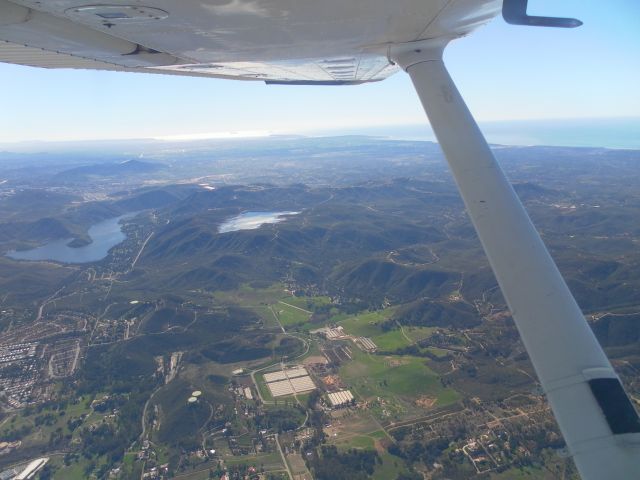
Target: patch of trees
[
  {"x": 17, "y": 433},
  {"x": 126, "y": 373},
  {"x": 615, "y": 331},
  {"x": 116, "y": 369},
  {"x": 281, "y": 419},
  {"x": 317, "y": 420},
  {"x": 287, "y": 346},
  {"x": 427, "y": 453},
  {"x": 417, "y": 350},
  {"x": 426, "y": 313},
  {"x": 74, "y": 423},
  {"x": 400, "y": 433},
  {"x": 351, "y": 465},
  {"x": 57, "y": 439},
  {"x": 239, "y": 349},
  {"x": 47, "y": 472},
  {"x": 102, "y": 440},
  {"x": 181, "y": 422},
  {"x": 217, "y": 379},
  {"x": 12, "y": 370},
  {"x": 45, "y": 419}
]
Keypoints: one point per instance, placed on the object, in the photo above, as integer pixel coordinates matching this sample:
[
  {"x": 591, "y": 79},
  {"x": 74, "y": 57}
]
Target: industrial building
[
  {"x": 284, "y": 374},
  {"x": 289, "y": 381},
  {"x": 31, "y": 469},
  {"x": 366, "y": 344},
  {"x": 341, "y": 398}
]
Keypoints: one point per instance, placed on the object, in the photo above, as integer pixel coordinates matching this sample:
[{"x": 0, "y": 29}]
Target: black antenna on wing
[{"x": 515, "y": 13}]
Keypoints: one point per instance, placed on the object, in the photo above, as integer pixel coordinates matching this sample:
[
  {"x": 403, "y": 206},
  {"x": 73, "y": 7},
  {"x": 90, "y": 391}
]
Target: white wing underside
[{"x": 277, "y": 41}]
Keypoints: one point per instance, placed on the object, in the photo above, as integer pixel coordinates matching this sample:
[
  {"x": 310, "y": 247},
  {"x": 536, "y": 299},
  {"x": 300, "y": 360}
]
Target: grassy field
[
  {"x": 409, "y": 378},
  {"x": 76, "y": 470},
  {"x": 290, "y": 315},
  {"x": 73, "y": 472},
  {"x": 390, "y": 341},
  {"x": 309, "y": 303},
  {"x": 438, "y": 352},
  {"x": 369, "y": 325},
  {"x": 418, "y": 333},
  {"x": 366, "y": 324},
  {"x": 130, "y": 467},
  {"x": 391, "y": 467},
  {"x": 262, "y": 386},
  {"x": 265, "y": 302},
  {"x": 358, "y": 441},
  {"x": 265, "y": 313}
]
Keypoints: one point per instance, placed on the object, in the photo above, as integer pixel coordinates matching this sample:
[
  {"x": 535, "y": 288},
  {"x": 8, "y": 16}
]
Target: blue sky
[{"x": 504, "y": 72}]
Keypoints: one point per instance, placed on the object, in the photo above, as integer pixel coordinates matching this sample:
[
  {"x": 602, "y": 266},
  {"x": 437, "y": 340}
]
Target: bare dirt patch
[
  {"x": 425, "y": 402},
  {"x": 395, "y": 362}
]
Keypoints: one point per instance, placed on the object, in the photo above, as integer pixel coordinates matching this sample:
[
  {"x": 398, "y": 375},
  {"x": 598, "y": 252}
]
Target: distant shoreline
[{"x": 612, "y": 133}]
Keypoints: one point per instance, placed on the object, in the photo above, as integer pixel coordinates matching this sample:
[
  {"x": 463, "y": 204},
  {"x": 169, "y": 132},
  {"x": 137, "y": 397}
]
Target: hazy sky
[{"x": 504, "y": 72}]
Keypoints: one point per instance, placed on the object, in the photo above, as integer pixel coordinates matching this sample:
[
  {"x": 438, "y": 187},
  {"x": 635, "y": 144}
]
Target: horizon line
[{"x": 318, "y": 131}]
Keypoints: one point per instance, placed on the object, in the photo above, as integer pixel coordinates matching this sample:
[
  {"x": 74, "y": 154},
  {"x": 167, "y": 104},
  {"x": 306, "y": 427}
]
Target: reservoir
[
  {"x": 104, "y": 235},
  {"x": 253, "y": 220}
]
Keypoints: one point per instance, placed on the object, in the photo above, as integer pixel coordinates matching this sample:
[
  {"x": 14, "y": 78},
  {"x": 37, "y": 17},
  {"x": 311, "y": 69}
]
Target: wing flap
[{"x": 331, "y": 71}]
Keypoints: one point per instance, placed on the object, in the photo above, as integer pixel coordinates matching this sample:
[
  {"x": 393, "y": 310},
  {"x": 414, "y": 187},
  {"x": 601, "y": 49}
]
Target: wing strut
[{"x": 598, "y": 421}]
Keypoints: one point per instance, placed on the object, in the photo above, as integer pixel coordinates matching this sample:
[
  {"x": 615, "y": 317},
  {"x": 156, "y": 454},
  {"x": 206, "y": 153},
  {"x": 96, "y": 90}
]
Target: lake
[
  {"x": 253, "y": 220},
  {"x": 104, "y": 236}
]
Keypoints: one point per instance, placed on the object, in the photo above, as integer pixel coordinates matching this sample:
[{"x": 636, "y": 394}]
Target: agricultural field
[{"x": 397, "y": 387}]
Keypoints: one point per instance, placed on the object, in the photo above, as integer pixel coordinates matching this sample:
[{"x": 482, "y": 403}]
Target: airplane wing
[
  {"x": 330, "y": 42},
  {"x": 276, "y": 41}
]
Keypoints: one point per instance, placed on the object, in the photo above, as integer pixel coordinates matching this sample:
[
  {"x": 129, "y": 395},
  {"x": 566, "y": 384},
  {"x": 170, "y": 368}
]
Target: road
[
  {"x": 277, "y": 319},
  {"x": 144, "y": 244},
  {"x": 297, "y": 308},
  {"x": 284, "y": 459},
  {"x": 144, "y": 413},
  {"x": 47, "y": 301},
  {"x": 445, "y": 412},
  {"x": 411, "y": 342}
]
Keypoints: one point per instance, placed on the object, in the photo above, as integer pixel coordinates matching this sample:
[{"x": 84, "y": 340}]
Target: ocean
[{"x": 618, "y": 133}]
